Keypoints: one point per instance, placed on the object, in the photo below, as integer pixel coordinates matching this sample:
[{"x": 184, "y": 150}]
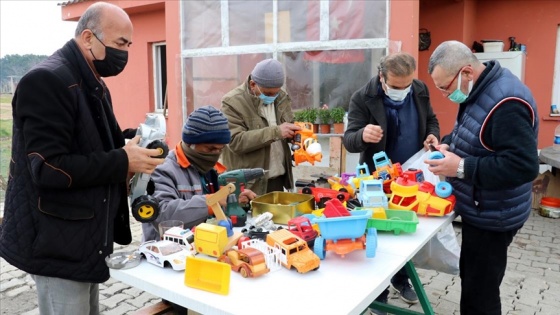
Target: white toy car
[
  {"x": 183, "y": 237},
  {"x": 165, "y": 253}
]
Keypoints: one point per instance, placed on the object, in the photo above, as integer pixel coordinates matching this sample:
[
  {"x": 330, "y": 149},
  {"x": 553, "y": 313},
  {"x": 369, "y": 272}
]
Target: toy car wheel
[
  {"x": 343, "y": 190},
  {"x": 319, "y": 247},
  {"x": 145, "y": 208},
  {"x": 436, "y": 155},
  {"x": 340, "y": 197},
  {"x": 306, "y": 190},
  {"x": 371, "y": 242},
  {"x": 161, "y": 146},
  {"x": 244, "y": 271},
  {"x": 443, "y": 189}
]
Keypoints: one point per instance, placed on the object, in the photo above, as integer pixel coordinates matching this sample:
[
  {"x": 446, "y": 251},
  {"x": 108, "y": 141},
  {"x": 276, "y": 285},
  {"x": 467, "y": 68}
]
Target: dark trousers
[
  {"x": 400, "y": 277},
  {"x": 275, "y": 184},
  {"x": 482, "y": 266}
]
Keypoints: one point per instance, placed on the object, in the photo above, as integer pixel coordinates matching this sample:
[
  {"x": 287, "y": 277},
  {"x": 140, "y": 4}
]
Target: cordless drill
[{"x": 239, "y": 178}]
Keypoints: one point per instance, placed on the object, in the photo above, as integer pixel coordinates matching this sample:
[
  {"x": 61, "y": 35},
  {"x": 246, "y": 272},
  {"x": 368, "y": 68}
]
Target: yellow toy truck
[
  {"x": 294, "y": 251},
  {"x": 210, "y": 239}
]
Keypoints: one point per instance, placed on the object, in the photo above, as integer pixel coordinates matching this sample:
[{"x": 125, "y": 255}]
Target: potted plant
[
  {"x": 300, "y": 115},
  {"x": 324, "y": 114},
  {"x": 337, "y": 116},
  {"x": 310, "y": 116}
]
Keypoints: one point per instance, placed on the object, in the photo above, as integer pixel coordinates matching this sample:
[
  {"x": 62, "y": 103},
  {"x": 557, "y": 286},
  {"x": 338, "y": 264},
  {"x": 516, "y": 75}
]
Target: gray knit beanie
[
  {"x": 268, "y": 73},
  {"x": 206, "y": 125}
]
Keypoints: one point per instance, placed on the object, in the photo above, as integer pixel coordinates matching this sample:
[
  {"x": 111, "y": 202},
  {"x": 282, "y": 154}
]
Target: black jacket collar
[{"x": 82, "y": 69}]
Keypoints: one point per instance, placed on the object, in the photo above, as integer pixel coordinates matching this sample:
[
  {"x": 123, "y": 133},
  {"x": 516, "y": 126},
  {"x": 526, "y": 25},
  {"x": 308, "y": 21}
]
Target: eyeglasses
[
  {"x": 122, "y": 42},
  {"x": 449, "y": 85}
]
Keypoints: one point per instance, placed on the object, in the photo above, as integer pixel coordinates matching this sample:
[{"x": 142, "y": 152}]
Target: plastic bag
[
  {"x": 417, "y": 161},
  {"x": 441, "y": 253}
]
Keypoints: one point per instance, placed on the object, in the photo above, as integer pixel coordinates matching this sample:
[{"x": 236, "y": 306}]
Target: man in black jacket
[
  {"x": 66, "y": 201},
  {"x": 392, "y": 113}
]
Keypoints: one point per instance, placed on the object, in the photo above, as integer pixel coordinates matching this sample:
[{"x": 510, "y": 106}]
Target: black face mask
[{"x": 114, "y": 62}]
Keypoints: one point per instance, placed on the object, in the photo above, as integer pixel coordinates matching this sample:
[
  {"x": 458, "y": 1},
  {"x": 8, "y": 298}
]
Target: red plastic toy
[
  {"x": 301, "y": 226},
  {"x": 321, "y": 194},
  {"x": 335, "y": 208}
]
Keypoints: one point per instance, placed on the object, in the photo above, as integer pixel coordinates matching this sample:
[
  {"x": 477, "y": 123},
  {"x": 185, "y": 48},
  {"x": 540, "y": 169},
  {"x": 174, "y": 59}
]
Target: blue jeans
[{"x": 58, "y": 296}]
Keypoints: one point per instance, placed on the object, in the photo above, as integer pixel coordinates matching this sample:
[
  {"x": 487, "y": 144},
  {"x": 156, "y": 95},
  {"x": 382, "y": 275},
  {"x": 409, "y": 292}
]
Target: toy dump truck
[
  {"x": 294, "y": 251},
  {"x": 345, "y": 234}
]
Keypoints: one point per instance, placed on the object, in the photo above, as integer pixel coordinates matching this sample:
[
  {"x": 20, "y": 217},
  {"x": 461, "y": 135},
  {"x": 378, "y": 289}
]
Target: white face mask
[{"x": 396, "y": 95}]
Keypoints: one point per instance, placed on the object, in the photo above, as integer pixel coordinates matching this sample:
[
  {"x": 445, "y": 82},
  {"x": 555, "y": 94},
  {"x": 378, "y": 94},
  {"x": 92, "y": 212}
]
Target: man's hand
[
  {"x": 288, "y": 130},
  {"x": 372, "y": 134},
  {"x": 430, "y": 139},
  {"x": 140, "y": 159},
  {"x": 246, "y": 195},
  {"x": 446, "y": 166}
]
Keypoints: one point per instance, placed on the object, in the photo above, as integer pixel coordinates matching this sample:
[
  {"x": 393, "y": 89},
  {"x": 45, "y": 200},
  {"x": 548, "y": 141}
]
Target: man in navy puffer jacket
[{"x": 490, "y": 160}]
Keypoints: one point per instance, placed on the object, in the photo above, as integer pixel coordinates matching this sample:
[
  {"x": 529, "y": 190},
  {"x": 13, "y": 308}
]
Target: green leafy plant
[
  {"x": 324, "y": 114},
  {"x": 300, "y": 115},
  {"x": 337, "y": 115},
  {"x": 310, "y": 115}
]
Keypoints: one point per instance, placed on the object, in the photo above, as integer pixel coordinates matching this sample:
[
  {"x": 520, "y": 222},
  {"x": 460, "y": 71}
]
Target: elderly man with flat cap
[{"x": 261, "y": 123}]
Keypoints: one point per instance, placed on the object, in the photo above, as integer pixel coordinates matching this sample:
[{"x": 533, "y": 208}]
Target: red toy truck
[{"x": 301, "y": 226}]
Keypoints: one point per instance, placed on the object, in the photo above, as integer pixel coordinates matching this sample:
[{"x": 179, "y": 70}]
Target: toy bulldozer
[{"x": 144, "y": 206}]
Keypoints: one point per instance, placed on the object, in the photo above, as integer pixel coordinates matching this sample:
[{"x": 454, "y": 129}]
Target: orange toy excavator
[{"x": 305, "y": 145}]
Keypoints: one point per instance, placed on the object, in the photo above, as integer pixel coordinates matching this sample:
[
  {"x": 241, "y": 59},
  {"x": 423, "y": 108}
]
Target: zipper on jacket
[{"x": 107, "y": 217}]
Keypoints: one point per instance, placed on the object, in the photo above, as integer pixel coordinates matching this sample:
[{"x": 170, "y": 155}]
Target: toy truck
[
  {"x": 372, "y": 194},
  {"x": 301, "y": 226},
  {"x": 395, "y": 220},
  {"x": 210, "y": 239},
  {"x": 362, "y": 173},
  {"x": 421, "y": 198},
  {"x": 386, "y": 170},
  {"x": 294, "y": 251},
  {"x": 345, "y": 234}
]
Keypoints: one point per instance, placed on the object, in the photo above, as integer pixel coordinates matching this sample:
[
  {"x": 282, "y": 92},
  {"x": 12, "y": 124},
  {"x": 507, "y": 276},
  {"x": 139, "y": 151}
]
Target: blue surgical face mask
[
  {"x": 266, "y": 99},
  {"x": 458, "y": 96}
]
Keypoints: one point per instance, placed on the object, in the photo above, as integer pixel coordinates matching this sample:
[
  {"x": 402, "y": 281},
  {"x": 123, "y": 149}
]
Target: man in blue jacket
[
  {"x": 491, "y": 161},
  {"x": 66, "y": 201}
]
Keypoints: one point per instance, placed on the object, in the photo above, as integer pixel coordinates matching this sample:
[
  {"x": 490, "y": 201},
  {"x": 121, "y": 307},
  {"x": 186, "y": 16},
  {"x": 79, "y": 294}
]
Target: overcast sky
[{"x": 32, "y": 27}]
